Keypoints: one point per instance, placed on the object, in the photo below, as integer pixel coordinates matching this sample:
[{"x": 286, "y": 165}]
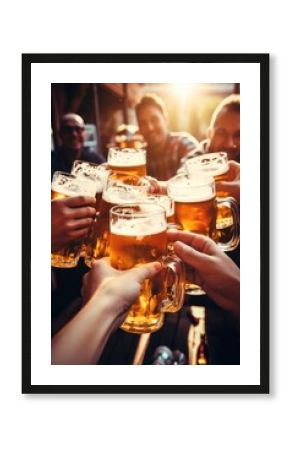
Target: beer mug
[
  {"x": 104, "y": 171},
  {"x": 90, "y": 171},
  {"x": 66, "y": 185},
  {"x": 196, "y": 210},
  {"x": 138, "y": 236},
  {"x": 217, "y": 166},
  {"x": 129, "y": 160},
  {"x": 166, "y": 202},
  {"x": 120, "y": 188}
]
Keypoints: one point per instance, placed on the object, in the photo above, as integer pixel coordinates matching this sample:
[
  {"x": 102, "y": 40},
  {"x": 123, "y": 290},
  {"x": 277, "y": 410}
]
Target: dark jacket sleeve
[{"x": 93, "y": 157}]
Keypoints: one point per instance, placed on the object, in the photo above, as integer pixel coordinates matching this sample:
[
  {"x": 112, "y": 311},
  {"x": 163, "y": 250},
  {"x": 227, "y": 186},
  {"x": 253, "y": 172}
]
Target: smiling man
[
  {"x": 224, "y": 130},
  {"x": 165, "y": 149},
  {"x": 72, "y": 133}
]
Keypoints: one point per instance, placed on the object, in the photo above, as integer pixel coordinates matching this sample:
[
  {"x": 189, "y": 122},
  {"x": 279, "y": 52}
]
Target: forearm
[
  {"x": 82, "y": 340},
  {"x": 228, "y": 297}
]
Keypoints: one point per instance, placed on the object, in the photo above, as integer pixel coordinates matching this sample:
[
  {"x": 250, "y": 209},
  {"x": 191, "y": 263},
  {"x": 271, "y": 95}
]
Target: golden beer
[
  {"x": 197, "y": 209},
  {"x": 196, "y": 212},
  {"x": 90, "y": 171},
  {"x": 225, "y": 225},
  {"x": 119, "y": 190},
  {"x": 217, "y": 166},
  {"x": 65, "y": 185},
  {"x": 128, "y": 160},
  {"x": 138, "y": 236},
  {"x": 197, "y": 216}
]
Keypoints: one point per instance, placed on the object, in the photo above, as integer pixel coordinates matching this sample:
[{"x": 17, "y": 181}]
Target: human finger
[
  {"x": 78, "y": 234},
  {"x": 234, "y": 171},
  {"x": 154, "y": 185},
  {"x": 81, "y": 200},
  {"x": 100, "y": 273},
  {"x": 82, "y": 212},
  {"x": 149, "y": 270},
  {"x": 198, "y": 242},
  {"x": 233, "y": 187},
  {"x": 103, "y": 267},
  {"x": 190, "y": 256},
  {"x": 79, "y": 224}
]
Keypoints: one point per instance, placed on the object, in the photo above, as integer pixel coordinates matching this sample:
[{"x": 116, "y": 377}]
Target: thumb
[
  {"x": 139, "y": 274},
  {"x": 233, "y": 187},
  {"x": 190, "y": 256},
  {"x": 222, "y": 184}
]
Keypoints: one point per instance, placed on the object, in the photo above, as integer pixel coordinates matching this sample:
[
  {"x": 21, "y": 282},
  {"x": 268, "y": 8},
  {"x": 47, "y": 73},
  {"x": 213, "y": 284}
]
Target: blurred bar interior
[{"x": 106, "y": 106}]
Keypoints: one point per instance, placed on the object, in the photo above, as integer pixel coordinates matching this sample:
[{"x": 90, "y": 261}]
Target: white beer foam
[
  {"x": 104, "y": 174},
  {"x": 127, "y": 159},
  {"x": 89, "y": 172},
  {"x": 212, "y": 164},
  {"x": 75, "y": 188},
  {"x": 118, "y": 196},
  {"x": 199, "y": 195},
  {"x": 99, "y": 187},
  {"x": 197, "y": 188},
  {"x": 163, "y": 201},
  {"x": 139, "y": 227}
]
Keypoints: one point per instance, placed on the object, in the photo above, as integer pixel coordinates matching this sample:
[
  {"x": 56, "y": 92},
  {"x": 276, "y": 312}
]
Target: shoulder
[
  {"x": 199, "y": 150},
  {"x": 183, "y": 138},
  {"x": 57, "y": 162},
  {"x": 93, "y": 157},
  {"x": 182, "y": 142}
]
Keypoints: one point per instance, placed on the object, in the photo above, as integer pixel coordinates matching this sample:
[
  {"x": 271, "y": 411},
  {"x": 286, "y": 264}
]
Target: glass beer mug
[
  {"x": 166, "y": 202},
  {"x": 216, "y": 165},
  {"x": 213, "y": 164},
  {"x": 66, "y": 185},
  {"x": 129, "y": 160},
  {"x": 138, "y": 236},
  {"x": 89, "y": 171},
  {"x": 120, "y": 188},
  {"x": 196, "y": 207}
]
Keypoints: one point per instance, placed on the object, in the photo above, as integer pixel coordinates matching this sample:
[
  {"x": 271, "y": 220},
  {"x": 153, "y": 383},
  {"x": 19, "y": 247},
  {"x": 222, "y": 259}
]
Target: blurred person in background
[
  {"x": 224, "y": 130},
  {"x": 165, "y": 149},
  {"x": 72, "y": 133},
  {"x": 224, "y": 135}
]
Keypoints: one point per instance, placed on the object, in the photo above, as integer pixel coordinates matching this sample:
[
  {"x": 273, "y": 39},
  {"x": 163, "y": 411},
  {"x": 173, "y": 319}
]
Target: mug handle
[
  {"x": 233, "y": 220},
  {"x": 172, "y": 269}
]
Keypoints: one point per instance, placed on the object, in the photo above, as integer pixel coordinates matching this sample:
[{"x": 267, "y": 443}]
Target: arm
[
  {"x": 215, "y": 272},
  {"x": 82, "y": 340}
]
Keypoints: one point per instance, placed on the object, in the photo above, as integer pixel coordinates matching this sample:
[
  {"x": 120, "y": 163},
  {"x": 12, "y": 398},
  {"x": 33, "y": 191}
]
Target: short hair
[
  {"x": 71, "y": 116},
  {"x": 151, "y": 100},
  {"x": 228, "y": 104}
]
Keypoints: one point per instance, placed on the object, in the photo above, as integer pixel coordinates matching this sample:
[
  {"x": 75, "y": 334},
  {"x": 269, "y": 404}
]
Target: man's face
[
  {"x": 152, "y": 125},
  {"x": 225, "y": 135},
  {"x": 72, "y": 134}
]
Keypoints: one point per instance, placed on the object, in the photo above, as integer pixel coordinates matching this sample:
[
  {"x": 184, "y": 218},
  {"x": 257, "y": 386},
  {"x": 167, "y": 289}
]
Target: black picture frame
[{"x": 263, "y": 61}]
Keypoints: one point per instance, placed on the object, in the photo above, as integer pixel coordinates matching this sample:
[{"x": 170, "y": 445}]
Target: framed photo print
[{"x": 145, "y": 223}]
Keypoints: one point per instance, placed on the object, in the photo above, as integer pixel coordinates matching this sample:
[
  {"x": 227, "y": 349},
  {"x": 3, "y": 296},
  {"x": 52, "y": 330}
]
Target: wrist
[{"x": 101, "y": 305}]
